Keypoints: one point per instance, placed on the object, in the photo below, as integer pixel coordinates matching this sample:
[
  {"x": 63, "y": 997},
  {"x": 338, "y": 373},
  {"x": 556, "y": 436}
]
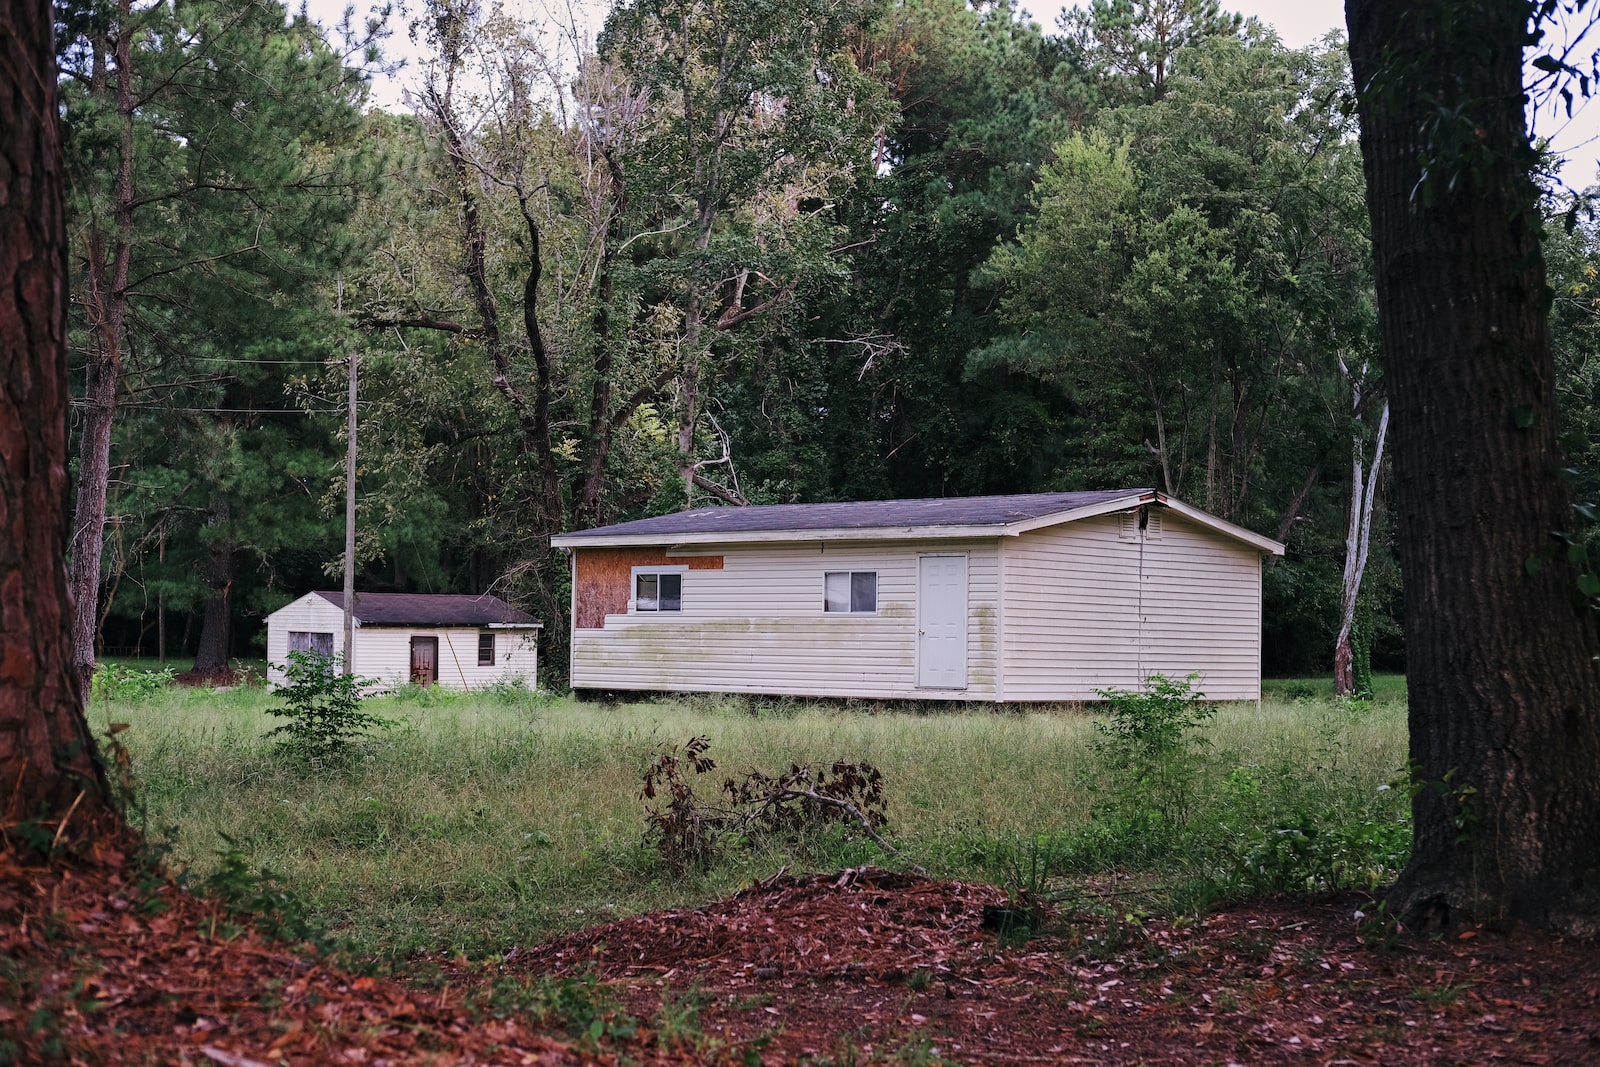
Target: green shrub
[
  {"x": 323, "y": 706},
  {"x": 113, "y": 681},
  {"x": 1149, "y": 745}
]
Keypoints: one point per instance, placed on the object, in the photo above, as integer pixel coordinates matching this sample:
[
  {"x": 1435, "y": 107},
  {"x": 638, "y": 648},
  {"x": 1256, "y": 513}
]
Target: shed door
[
  {"x": 424, "y": 660},
  {"x": 942, "y": 622}
]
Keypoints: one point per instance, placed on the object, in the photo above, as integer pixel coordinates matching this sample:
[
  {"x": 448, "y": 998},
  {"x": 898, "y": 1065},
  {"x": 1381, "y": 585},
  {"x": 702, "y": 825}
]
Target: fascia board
[
  {"x": 1107, "y": 507},
  {"x": 892, "y": 533},
  {"x": 1195, "y": 515},
  {"x": 455, "y": 625},
  {"x": 1222, "y": 526}
]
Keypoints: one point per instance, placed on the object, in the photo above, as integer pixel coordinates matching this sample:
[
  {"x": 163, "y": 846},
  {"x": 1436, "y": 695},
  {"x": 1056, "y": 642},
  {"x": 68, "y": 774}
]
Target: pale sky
[{"x": 1298, "y": 22}]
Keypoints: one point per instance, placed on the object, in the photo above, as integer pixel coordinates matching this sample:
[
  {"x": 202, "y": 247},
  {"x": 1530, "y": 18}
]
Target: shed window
[
  {"x": 486, "y": 648},
  {"x": 658, "y": 590},
  {"x": 850, "y": 591},
  {"x": 302, "y": 641}
]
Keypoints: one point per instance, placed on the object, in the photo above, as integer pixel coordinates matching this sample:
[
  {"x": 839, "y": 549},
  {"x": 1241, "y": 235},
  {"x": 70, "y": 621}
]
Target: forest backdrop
[{"x": 730, "y": 252}]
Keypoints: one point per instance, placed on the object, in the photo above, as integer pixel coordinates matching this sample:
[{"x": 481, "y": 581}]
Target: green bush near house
[{"x": 323, "y": 706}]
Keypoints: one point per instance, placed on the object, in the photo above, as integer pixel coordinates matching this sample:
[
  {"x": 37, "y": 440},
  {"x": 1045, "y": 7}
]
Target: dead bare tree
[{"x": 1358, "y": 535}]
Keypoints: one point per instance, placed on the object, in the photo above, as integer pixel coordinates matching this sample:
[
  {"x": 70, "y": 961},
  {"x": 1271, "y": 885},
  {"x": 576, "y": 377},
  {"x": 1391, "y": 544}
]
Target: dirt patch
[
  {"x": 874, "y": 963},
  {"x": 103, "y": 964}
]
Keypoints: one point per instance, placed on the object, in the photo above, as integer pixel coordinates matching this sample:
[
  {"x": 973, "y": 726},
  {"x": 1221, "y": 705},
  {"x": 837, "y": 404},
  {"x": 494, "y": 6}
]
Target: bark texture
[
  {"x": 47, "y": 755},
  {"x": 1501, "y": 650}
]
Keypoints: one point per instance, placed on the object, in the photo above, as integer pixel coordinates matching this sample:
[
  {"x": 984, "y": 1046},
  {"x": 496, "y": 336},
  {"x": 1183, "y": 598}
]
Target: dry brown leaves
[{"x": 860, "y": 965}]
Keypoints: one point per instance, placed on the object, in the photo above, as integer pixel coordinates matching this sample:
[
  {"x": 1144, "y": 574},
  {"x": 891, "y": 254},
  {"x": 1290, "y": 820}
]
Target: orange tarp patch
[{"x": 604, "y": 577}]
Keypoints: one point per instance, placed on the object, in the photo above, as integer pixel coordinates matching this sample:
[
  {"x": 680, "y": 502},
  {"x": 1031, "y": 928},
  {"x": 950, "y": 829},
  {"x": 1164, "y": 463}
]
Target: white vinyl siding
[
  {"x": 757, "y": 625},
  {"x": 1087, "y": 607},
  {"x": 384, "y": 652},
  {"x": 309, "y": 614}
]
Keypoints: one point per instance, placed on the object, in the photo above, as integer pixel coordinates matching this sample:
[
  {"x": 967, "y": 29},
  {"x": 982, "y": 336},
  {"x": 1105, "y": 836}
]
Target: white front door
[{"x": 942, "y": 622}]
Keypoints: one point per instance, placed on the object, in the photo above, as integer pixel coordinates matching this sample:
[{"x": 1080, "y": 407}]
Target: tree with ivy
[{"x": 1503, "y": 654}]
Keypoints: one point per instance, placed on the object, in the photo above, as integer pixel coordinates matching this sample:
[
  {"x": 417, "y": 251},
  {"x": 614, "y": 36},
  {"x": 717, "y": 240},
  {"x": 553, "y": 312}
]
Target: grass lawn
[{"x": 484, "y": 820}]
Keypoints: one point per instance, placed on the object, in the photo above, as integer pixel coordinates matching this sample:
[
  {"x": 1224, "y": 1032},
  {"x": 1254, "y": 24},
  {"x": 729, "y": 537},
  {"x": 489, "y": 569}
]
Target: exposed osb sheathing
[{"x": 605, "y": 575}]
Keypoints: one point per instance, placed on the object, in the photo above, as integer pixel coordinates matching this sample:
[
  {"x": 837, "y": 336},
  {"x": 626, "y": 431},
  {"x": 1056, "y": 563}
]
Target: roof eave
[{"x": 866, "y": 533}]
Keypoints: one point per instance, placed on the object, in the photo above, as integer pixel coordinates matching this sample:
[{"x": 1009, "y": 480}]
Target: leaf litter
[{"x": 101, "y": 964}]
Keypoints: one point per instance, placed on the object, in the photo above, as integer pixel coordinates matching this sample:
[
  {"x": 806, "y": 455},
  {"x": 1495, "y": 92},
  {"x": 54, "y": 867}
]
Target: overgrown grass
[{"x": 489, "y": 820}]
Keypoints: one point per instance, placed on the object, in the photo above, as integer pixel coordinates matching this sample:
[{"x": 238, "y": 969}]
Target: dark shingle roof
[
  {"x": 859, "y": 515},
  {"x": 429, "y": 609}
]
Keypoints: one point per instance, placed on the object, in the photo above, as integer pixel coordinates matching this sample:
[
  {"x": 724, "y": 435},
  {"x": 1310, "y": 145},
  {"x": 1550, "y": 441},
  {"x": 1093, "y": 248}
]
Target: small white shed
[
  {"x": 1037, "y": 597},
  {"x": 464, "y": 642}
]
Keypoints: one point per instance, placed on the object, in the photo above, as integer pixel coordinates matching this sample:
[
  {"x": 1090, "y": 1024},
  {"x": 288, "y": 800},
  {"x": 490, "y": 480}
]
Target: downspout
[
  {"x": 572, "y": 625},
  {"x": 1000, "y": 624}
]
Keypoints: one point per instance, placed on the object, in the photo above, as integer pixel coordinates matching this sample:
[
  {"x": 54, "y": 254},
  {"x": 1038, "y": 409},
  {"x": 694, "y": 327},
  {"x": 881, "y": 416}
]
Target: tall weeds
[{"x": 486, "y": 820}]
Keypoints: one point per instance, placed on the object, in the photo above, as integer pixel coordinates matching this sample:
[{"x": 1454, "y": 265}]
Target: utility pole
[
  {"x": 161, "y": 597},
  {"x": 350, "y": 525},
  {"x": 349, "y": 505}
]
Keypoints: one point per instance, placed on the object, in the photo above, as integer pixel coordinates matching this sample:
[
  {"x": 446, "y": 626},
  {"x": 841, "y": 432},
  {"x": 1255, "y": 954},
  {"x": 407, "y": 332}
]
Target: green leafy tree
[
  {"x": 212, "y": 153},
  {"x": 1133, "y": 45},
  {"x": 984, "y": 97},
  {"x": 760, "y": 120}
]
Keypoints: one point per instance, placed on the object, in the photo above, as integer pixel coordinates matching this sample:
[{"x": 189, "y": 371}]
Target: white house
[
  {"x": 1040, "y": 597},
  {"x": 459, "y": 641}
]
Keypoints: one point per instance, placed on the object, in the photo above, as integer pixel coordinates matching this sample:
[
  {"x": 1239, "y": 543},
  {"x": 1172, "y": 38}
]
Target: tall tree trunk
[
  {"x": 689, "y": 396},
  {"x": 1502, "y": 652},
  {"x": 106, "y": 301},
  {"x": 587, "y": 507},
  {"x": 216, "y": 625},
  {"x": 1358, "y": 539},
  {"x": 48, "y": 764}
]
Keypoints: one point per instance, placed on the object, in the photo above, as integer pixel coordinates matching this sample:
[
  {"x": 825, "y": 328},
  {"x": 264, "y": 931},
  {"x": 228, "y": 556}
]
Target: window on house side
[
  {"x": 303, "y": 641},
  {"x": 486, "y": 648},
  {"x": 658, "y": 591},
  {"x": 855, "y": 592}
]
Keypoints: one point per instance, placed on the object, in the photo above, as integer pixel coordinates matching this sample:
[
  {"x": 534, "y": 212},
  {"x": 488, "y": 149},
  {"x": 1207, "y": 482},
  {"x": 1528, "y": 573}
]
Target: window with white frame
[
  {"x": 657, "y": 589},
  {"x": 853, "y": 592},
  {"x": 486, "y": 648}
]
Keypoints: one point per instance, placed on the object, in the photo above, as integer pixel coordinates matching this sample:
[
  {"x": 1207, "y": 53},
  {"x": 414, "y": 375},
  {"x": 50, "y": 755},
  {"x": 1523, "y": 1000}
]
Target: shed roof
[
  {"x": 932, "y": 517},
  {"x": 431, "y": 609}
]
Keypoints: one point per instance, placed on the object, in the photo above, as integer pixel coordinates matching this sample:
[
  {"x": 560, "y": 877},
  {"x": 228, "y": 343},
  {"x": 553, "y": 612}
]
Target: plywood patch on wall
[{"x": 604, "y": 577}]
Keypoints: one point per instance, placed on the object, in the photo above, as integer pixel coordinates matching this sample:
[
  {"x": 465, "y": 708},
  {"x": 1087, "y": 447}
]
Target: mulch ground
[{"x": 102, "y": 963}]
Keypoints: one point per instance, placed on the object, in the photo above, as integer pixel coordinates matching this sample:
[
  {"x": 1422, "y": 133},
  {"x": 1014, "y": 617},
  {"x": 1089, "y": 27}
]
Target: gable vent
[{"x": 1128, "y": 524}]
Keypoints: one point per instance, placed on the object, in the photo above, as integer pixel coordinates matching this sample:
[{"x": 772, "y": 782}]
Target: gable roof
[
  {"x": 932, "y": 517},
  {"x": 431, "y": 609}
]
